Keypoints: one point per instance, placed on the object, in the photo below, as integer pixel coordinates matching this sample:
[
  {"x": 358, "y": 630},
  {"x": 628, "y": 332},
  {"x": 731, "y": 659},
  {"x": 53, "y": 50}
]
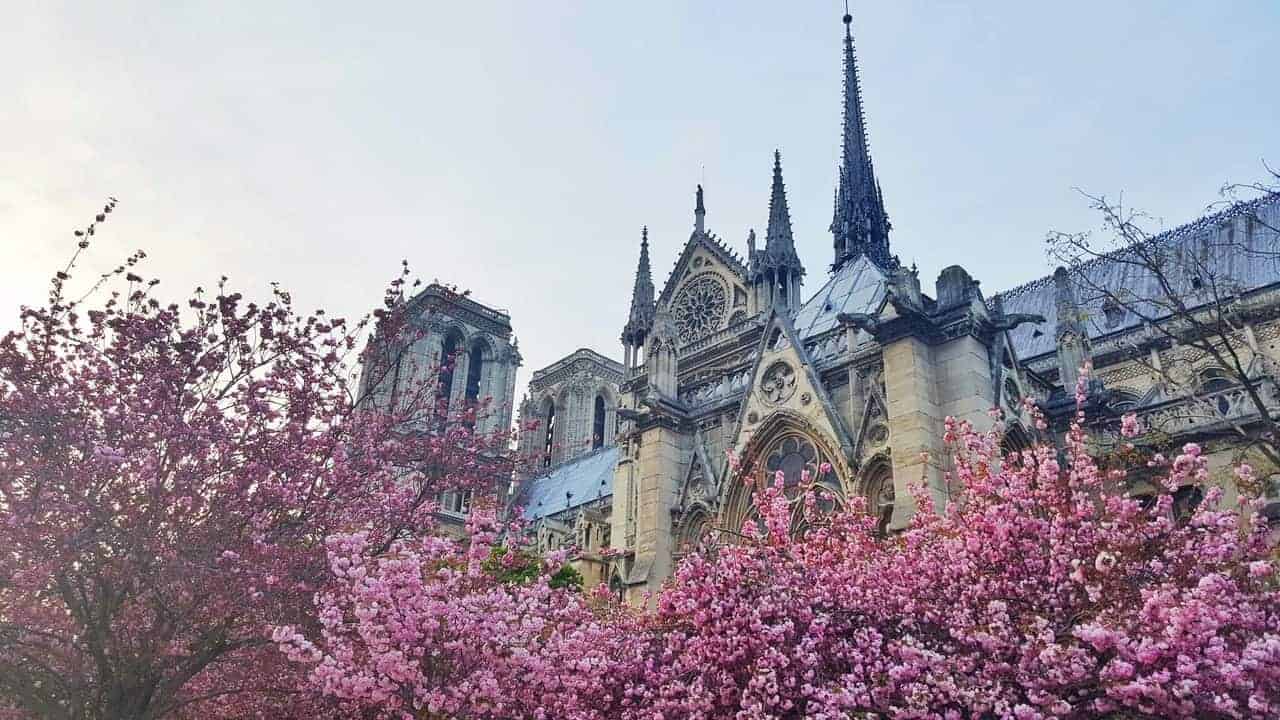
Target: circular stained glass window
[{"x": 699, "y": 308}]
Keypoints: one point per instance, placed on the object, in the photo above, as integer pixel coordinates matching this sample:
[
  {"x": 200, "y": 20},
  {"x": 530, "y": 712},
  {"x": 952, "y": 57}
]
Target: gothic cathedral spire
[
  {"x": 778, "y": 242},
  {"x": 777, "y": 271},
  {"x": 859, "y": 225},
  {"x": 640, "y": 319}
]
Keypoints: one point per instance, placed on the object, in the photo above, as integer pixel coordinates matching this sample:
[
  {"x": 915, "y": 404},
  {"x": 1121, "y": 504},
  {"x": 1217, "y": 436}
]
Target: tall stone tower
[
  {"x": 570, "y": 409},
  {"x": 467, "y": 350}
]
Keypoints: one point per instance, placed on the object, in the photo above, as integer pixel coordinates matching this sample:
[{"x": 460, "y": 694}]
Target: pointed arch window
[
  {"x": 444, "y": 380},
  {"x": 475, "y": 368},
  {"x": 1215, "y": 381},
  {"x": 597, "y": 424},
  {"x": 549, "y": 442},
  {"x": 792, "y": 454}
]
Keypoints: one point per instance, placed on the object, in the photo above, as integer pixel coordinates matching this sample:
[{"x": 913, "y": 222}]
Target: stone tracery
[{"x": 699, "y": 308}]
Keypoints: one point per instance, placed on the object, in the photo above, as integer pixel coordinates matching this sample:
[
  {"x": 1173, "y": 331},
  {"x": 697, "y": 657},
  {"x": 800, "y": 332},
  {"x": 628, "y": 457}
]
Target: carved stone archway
[
  {"x": 875, "y": 484},
  {"x": 787, "y": 442}
]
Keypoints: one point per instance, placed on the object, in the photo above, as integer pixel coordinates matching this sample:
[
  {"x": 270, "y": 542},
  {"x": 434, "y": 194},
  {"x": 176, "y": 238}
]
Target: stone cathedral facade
[{"x": 734, "y": 354}]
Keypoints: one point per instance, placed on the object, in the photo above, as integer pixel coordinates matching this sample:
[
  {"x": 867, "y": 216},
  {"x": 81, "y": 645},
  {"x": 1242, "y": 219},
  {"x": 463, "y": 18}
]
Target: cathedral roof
[
  {"x": 855, "y": 287},
  {"x": 1250, "y": 270},
  {"x": 577, "y": 482}
]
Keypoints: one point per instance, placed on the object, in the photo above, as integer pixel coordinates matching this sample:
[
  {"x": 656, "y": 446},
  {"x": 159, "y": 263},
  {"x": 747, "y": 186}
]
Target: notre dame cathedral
[{"x": 732, "y": 355}]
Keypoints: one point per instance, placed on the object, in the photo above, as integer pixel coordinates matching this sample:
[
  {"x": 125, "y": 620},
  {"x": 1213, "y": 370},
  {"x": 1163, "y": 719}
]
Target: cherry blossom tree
[
  {"x": 1040, "y": 593},
  {"x": 168, "y": 476},
  {"x": 441, "y": 628}
]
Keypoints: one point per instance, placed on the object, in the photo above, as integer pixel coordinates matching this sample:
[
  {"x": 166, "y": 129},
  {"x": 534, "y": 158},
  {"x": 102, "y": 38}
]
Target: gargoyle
[
  {"x": 1012, "y": 320},
  {"x": 633, "y": 415},
  {"x": 861, "y": 321}
]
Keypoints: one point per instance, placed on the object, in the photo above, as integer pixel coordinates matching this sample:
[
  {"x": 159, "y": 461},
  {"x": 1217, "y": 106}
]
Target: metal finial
[{"x": 847, "y": 17}]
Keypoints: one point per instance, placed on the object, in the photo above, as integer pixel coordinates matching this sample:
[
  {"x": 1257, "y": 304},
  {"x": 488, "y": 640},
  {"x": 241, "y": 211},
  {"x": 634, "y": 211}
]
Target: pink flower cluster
[{"x": 1036, "y": 595}]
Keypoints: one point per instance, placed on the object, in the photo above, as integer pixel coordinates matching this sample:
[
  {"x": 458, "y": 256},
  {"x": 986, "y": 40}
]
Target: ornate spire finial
[
  {"x": 859, "y": 224},
  {"x": 640, "y": 319},
  {"x": 643, "y": 268},
  {"x": 776, "y": 271},
  {"x": 779, "y": 245}
]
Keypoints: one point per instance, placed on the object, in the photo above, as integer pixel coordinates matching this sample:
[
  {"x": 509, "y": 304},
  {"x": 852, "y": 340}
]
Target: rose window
[{"x": 699, "y": 309}]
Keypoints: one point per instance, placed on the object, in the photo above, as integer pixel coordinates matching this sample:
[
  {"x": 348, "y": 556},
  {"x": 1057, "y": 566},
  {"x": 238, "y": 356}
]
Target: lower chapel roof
[
  {"x": 1252, "y": 262},
  {"x": 577, "y": 482}
]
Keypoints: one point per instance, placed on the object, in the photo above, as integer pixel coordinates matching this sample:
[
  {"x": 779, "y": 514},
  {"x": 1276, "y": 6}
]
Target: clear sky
[{"x": 515, "y": 149}]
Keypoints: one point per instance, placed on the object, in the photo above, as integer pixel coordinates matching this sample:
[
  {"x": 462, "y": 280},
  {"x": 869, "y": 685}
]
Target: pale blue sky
[{"x": 516, "y": 149}]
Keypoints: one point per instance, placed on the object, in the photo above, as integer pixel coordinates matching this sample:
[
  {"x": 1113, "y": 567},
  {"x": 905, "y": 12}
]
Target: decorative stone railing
[
  {"x": 1209, "y": 411},
  {"x": 719, "y": 336},
  {"x": 730, "y": 384}
]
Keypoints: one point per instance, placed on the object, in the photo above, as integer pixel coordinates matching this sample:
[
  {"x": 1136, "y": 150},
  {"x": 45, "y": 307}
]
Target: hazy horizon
[{"x": 516, "y": 151}]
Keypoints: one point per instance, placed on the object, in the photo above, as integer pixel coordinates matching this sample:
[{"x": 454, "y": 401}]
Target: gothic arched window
[
  {"x": 597, "y": 424},
  {"x": 448, "y": 360},
  {"x": 1016, "y": 439},
  {"x": 475, "y": 365},
  {"x": 694, "y": 528},
  {"x": 791, "y": 454},
  {"x": 549, "y": 442}
]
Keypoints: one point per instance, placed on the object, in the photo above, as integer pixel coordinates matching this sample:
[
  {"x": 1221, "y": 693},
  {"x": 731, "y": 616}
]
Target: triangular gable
[
  {"x": 713, "y": 248},
  {"x": 798, "y": 398},
  {"x": 873, "y": 422},
  {"x": 699, "y": 467}
]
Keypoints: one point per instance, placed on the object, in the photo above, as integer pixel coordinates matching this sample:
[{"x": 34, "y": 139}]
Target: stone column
[
  {"x": 510, "y": 364},
  {"x": 915, "y": 424},
  {"x": 964, "y": 381},
  {"x": 661, "y": 453}
]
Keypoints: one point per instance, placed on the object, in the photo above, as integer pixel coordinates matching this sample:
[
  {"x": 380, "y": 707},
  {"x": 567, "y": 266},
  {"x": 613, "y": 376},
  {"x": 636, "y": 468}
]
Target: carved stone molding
[{"x": 778, "y": 383}]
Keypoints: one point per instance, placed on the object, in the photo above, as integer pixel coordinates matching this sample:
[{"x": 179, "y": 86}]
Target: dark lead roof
[
  {"x": 574, "y": 483},
  {"x": 1257, "y": 266}
]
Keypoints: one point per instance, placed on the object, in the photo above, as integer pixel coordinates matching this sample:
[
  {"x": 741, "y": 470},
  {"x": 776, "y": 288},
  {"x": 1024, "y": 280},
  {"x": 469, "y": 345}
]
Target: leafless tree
[{"x": 1184, "y": 304}]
